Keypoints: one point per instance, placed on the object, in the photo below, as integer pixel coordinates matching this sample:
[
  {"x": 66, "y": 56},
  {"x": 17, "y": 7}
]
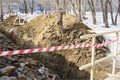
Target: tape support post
[{"x": 26, "y": 51}]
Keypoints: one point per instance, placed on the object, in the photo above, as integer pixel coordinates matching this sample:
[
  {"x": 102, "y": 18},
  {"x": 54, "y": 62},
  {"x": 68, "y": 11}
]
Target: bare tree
[
  {"x": 119, "y": 7},
  {"x": 106, "y": 14},
  {"x": 74, "y": 7},
  {"x": 12, "y": 6},
  {"x": 20, "y": 6},
  {"x": 118, "y": 11},
  {"x": 103, "y": 10},
  {"x": 48, "y": 5},
  {"x": 25, "y": 6},
  {"x": 83, "y": 8},
  {"x": 111, "y": 11},
  {"x": 1, "y": 6},
  {"x": 60, "y": 16},
  {"x": 9, "y": 7},
  {"x": 64, "y": 6},
  {"x": 79, "y": 10},
  {"x": 104, "y": 6},
  {"x": 91, "y": 5},
  {"x": 9, "y": 4},
  {"x": 31, "y": 5}
]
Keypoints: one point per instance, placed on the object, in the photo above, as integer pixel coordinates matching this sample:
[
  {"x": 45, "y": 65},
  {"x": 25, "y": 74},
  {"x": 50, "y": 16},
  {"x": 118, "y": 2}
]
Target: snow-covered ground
[
  {"x": 99, "y": 28},
  {"x": 26, "y": 17}
]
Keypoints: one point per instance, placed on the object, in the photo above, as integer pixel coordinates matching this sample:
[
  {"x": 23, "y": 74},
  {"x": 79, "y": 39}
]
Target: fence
[{"x": 93, "y": 61}]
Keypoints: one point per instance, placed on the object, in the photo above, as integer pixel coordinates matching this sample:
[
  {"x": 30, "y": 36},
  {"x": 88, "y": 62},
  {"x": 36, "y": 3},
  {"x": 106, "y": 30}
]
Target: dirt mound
[{"x": 42, "y": 32}]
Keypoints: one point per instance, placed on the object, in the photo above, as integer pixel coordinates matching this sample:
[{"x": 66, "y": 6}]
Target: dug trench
[
  {"x": 42, "y": 32},
  {"x": 21, "y": 67}
]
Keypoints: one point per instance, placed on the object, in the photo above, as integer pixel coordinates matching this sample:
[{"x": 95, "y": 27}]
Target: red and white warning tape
[{"x": 4, "y": 53}]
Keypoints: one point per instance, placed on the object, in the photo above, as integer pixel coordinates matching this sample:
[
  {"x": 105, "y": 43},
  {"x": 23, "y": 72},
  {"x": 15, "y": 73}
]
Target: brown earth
[{"x": 42, "y": 32}]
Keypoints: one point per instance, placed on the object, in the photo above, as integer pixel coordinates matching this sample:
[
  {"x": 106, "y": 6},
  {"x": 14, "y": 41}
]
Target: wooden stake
[
  {"x": 115, "y": 54},
  {"x": 93, "y": 59}
]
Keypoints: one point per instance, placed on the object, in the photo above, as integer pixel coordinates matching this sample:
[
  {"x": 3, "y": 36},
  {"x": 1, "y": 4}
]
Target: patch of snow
[{"x": 27, "y": 17}]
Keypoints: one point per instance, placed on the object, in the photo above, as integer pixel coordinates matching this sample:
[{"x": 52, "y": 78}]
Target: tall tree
[
  {"x": 31, "y": 5},
  {"x": 9, "y": 7},
  {"x": 74, "y": 7},
  {"x": 12, "y": 6},
  {"x": 111, "y": 11},
  {"x": 91, "y": 5},
  {"x": 21, "y": 6},
  {"x": 79, "y": 10},
  {"x": 119, "y": 7},
  {"x": 83, "y": 8},
  {"x": 64, "y": 6},
  {"x": 118, "y": 11},
  {"x": 25, "y": 6},
  {"x": 103, "y": 10},
  {"x": 106, "y": 14},
  {"x": 60, "y": 18},
  {"x": 1, "y": 6}
]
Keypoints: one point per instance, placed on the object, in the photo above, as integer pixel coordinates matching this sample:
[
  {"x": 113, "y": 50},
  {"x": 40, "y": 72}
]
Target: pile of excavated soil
[{"x": 42, "y": 32}]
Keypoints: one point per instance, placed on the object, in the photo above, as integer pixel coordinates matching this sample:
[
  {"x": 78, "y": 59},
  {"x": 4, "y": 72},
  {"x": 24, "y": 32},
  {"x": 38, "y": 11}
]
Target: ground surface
[
  {"x": 115, "y": 77},
  {"x": 42, "y": 32}
]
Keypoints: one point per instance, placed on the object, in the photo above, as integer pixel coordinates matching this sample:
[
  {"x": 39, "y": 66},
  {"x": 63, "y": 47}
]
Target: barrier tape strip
[{"x": 4, "y": 53}]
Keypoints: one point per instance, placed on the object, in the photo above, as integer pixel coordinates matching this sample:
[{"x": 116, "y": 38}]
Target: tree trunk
[
  {"x": 60, "y": 20},
  {"x": 25, "y": 6},
  {"x": 64, "y": 6},
  {"x": 79, "y": 11},
  {"x": 94, "y": 17},
  {"x": 93, "y": 13},
  {"x": 12, "y": 6},
  {"x": 117, "y": 13},
  {"x": 83, "y": 9},
  {"x": 9, "y": 7},
  {"x": 31, "y": 5},
  {"x": 1, "y": 15},
  {"x": 103, "y": 11},
  {"x": 73, "y": 6},
  {"x": 111, "y": 12},
  {"x": 106, "y": 14},
  {"x": 32, "y": 8},
  {"x": 91, "y": 4},
  {"x": 119, "y": 7}
]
